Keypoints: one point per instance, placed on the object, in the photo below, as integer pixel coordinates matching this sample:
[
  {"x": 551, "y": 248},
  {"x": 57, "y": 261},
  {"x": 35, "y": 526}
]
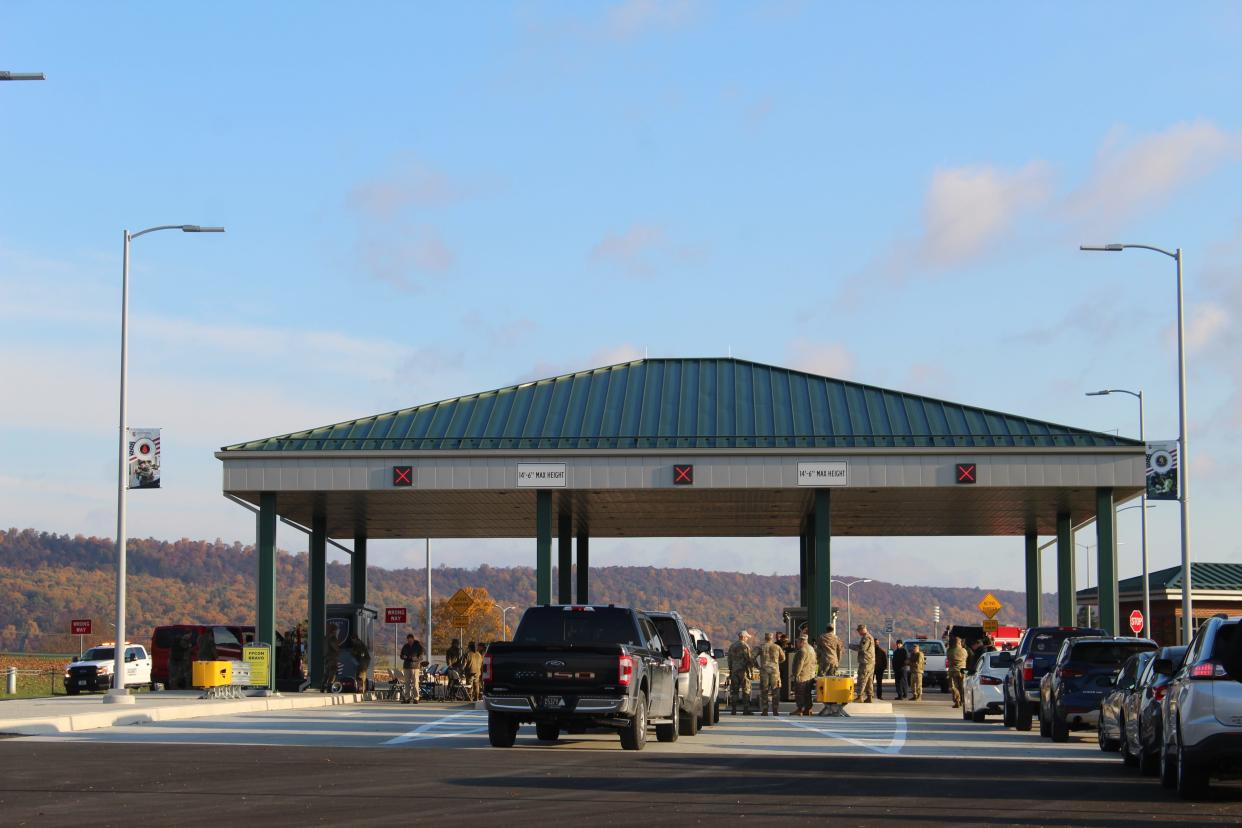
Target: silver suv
[
  {"x": 673, "y": 631},
  {"x": 1203, "y": 710}
]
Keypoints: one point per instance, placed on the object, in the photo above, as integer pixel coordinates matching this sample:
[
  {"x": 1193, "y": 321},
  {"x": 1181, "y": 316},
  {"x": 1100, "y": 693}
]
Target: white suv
[
  {"x": 710, "y": 681},
  {"x": 93, "y": 671},
  {"x": 1203, "y": 710}
]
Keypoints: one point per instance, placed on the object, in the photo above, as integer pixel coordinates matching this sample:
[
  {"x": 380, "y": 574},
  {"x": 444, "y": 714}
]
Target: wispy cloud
[
  {"x": 827, "y": 359},
  {"x": 610, "y": 355},
  {"x": 1135, "y": 174},
  {"x": 641, "y": 251}
]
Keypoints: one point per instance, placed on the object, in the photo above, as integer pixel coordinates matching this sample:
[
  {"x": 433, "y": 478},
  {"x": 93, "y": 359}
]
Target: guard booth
[
  {"x": 795, "y": 623},
  {"x": 345, "y": 621}
]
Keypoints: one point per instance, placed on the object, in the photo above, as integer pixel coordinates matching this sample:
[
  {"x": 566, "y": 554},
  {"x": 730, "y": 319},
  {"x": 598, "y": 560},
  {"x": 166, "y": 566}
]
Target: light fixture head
[{"x": 194, "y": 228}]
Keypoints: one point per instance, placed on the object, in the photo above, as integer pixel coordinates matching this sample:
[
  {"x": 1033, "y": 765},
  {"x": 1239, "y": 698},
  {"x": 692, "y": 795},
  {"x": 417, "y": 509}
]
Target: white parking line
[
  {"x": 847, "y": 731},
  {"x": 457, "y": 724}
]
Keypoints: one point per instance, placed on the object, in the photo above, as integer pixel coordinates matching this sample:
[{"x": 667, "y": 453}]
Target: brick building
[{"x": 1217, "y": 588}]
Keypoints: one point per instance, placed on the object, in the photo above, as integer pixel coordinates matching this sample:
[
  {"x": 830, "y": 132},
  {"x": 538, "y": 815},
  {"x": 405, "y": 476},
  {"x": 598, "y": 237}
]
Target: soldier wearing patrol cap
[
  {"x": 802, "y": 676},
  {"x": 741, "y": 660},
  {"x": 770, "y": 659}
]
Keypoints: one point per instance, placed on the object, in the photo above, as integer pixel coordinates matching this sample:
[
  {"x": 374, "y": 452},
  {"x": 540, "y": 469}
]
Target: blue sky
[{"x": 423, "y": 201}]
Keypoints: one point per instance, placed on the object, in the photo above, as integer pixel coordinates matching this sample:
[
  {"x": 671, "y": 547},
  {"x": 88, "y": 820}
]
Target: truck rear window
[
  {"x": 1049, "y": 643},
  {"x": 559, "y": 626},
  {"x": 1102, "y": 653},
  {"x": 935, "y": 648}
]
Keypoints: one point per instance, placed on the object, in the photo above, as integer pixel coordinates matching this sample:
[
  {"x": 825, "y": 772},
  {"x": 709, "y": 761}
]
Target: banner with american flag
[
  {"x": 144, "y": 458},
  {"x": 1162, "y": 471}
]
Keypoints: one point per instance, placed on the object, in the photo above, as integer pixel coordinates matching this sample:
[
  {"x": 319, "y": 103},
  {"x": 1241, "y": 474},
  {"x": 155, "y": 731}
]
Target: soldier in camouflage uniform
[
  {"x": 865, "y": 691},
  {"x": 802, "y": 676},
  {"x": 828, "y": 649},
  {"x": 955, "y": 661},
  {"x": 771, "y": 656},
  {"x": 740, "y": 662},
  {"x": 917, "y": 662}
]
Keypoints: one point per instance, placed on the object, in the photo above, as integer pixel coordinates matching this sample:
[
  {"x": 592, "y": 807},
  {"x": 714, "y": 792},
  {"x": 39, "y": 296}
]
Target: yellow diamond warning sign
[{"x": 989, "y": 606}]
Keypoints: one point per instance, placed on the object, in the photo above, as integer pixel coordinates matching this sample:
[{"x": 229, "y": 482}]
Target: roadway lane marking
[
  {"x": 842, "y": 731},
  {"x": 445, "y": 727}
]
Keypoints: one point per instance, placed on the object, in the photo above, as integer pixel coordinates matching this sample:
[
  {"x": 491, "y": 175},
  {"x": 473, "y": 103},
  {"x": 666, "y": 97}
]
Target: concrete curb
[{"x": 199, "y": 708}]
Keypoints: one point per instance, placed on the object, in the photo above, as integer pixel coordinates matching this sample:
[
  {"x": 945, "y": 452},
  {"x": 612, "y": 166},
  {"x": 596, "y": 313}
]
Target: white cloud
[
  {"x": 827, "y": 359},
  {"x": 408, "y": 183},
  {"x": 1207, "y": 323},
  {"x": 611, "y": 355},
  {"x": 1132, "y": 175},
  {"x": 631, "y": 18},
  {"x": 641, "y": 251},
  {"x": 968, "y": 209}
]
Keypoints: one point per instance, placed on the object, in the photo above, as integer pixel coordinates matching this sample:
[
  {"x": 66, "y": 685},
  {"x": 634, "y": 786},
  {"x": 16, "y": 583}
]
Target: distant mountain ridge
[{"x": 51, "y": 579}]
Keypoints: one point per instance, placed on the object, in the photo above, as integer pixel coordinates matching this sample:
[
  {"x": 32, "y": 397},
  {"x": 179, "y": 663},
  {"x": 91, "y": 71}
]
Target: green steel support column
[
  {"x": 316, "y": 595},
  {"x": 802, "y": 569},
  {"x": 584, "y": 564},
  {"x": 1065, "y": 572},
  {"x": 543, "y": 547},
  {"x": 1106, "y": 548},
  {"x": 565, "y": 559},
  {"x": 820, "y": 609},
  {"x": 265, "y": 597},
  {"x": 358, "y": 569},
  {"x": 1034, "y": 580}
]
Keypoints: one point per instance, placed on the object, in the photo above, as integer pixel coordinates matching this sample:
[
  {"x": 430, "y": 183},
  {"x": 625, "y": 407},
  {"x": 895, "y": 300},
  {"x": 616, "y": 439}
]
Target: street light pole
[
  {"x": 504, "y": 627},
  {"x": 1182, "y": 476},
  {"x": 849, "y": 618},
  {"x": 118, "y": 694},
  {"x": 1142, "y": 502}
]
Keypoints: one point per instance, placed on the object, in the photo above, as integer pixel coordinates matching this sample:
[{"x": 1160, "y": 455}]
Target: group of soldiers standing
[
  {"x": 469, "y": 665},
  {"x": 808, "y": 664}
]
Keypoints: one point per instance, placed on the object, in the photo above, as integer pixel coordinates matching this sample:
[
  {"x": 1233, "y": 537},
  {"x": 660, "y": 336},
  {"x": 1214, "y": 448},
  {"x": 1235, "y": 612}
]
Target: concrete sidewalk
[{"x": 41, "y": 717}]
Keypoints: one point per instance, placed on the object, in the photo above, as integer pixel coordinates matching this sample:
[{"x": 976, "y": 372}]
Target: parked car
[
  {"x": 1086, "y": 668},
  {"x": 1202, "y": 717},
  {"x": 934, "y": 671},
  {"x": 1143, "y": 712},
  {"x": 93, "y": 671},
  {"x": 709, "y": 676},
  {"x": 1035, "y": 654},
  {"x": 572, "y": 667},
  {"x": 983, "y": 686},
  {"x": 674, "y": 633},
  {"x": 1111, "y": 727}
]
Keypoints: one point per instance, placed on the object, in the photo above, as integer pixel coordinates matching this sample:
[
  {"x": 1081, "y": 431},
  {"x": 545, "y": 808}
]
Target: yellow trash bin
[
  {"x": 208, "y": 674},
  {"x": 834, "y": 689}
]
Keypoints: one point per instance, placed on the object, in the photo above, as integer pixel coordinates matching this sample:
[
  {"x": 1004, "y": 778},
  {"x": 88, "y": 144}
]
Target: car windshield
[
  {"x": 558, "y": 626},
  {"x": 99, "y": 654},
  {"x": 928, "y": 647},
  {"x": 1106, "y": 653},
  {"x": 1047, "y": 643}
]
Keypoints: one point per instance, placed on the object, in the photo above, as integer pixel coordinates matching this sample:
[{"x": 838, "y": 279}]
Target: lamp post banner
[
  {"x": 144, "y": 458},
  {"x": 1162, "y": 471}
]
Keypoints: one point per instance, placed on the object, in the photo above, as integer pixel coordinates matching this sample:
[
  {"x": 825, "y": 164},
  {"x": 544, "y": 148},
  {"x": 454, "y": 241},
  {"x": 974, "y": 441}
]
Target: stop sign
[{"x": 1136, "y": 622}]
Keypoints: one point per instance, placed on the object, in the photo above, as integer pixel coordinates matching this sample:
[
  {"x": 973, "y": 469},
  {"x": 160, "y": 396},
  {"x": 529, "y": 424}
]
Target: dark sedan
[
  {"x": 1144, "y": 714},
  {"x": 1110, "y": 729}
]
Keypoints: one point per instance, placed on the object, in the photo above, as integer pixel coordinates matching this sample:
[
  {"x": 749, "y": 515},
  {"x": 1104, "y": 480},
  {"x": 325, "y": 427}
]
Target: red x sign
[
  {"x": 683, "y": 475},
  {"x": 966, "y": 472},
  {"x": 403, "y": 475}
]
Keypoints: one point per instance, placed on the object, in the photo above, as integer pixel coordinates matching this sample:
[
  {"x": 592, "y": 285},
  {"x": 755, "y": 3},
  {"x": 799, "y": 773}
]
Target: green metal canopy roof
[
  {"x": 685, "y": 403},
  {"x": 1223, "y": 577}
]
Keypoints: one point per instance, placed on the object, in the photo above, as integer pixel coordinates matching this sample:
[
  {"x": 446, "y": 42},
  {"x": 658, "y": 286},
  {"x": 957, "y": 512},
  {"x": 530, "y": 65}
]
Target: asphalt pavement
[{"x": 391, "y": 764}]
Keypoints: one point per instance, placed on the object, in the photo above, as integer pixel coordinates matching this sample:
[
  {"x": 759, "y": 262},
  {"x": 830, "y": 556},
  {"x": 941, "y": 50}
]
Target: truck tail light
[
  {"x": 1208, "y": 670},
  {"x": 625, "y": 670},
  {"x": 989, "y": 680},
  {"x": 1028, "y": 671},
  {"x": 684, "y": 666},
  {"x": 487, "y": 669}
]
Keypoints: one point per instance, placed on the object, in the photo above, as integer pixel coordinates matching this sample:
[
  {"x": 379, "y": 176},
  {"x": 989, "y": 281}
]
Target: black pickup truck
[{"x": 574, "y": 667}]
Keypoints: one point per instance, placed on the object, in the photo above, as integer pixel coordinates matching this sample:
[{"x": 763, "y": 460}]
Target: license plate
[
  {"x": 81, "y": 683},
  {"x": 553, "y": 701}
]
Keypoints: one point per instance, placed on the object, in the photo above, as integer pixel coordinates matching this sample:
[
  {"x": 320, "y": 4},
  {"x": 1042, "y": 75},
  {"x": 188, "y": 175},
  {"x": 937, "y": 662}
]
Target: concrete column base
[{"x": 119, "y": 697}]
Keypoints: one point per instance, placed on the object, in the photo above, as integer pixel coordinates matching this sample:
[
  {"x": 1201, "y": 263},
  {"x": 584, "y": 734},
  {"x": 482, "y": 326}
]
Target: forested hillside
[{"x": 47, "y": 579}]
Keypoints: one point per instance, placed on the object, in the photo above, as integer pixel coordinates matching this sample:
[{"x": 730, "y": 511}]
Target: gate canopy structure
[{"x": 688, "y": 447}]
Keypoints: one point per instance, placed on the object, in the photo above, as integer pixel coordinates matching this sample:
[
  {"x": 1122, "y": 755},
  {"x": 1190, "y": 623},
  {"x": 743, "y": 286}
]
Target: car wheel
[
  {"x": 709, "y": 707},
  {"x": 1192, "y": 779},
  {"x": 1060, "y": 728},
  {"x": 501, "y": 730},
  {"x": 1106, "y": 744},
  {"x": 1008, "y": 716},
  {"x": 1148, "y": 760},
  {"x": 72, "y": 691},
  {"x": 547, "y": 731},
  {"x": 1168, "y": 765},
  {"x": 688, "y": 725},
  {"x": 979, "y": 715},
  {"x": 965, "y": 711},
  {"x": 1022, "y": 715},
  {"x": 634, "y": 734},
  {"x": 670, "y": 732},
  {"x": 1045, "y": 723}
]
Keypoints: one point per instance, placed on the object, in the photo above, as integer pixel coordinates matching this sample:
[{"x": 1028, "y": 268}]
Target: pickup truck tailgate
[{"x": 569, "y": 670}]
